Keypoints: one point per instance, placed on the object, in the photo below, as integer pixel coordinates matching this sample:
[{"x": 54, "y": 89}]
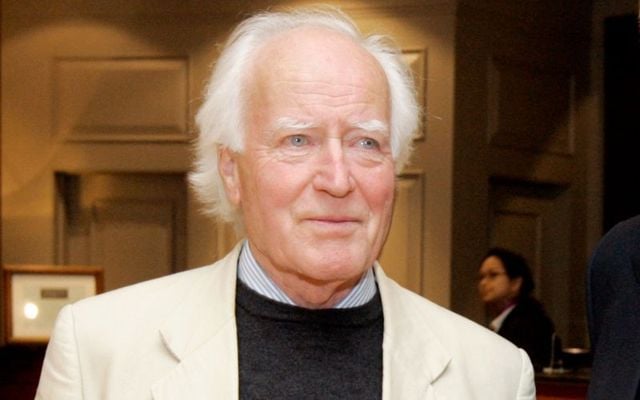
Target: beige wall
[{"x": 47, "y": 47}]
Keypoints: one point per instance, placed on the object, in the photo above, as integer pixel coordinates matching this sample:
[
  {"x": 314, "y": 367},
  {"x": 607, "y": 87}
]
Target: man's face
[{"x": 315, "y": 182}]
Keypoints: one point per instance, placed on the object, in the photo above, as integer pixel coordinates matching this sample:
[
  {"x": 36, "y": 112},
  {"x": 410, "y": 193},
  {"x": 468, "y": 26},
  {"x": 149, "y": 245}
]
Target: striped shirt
[{"x": 252, "y": 275}]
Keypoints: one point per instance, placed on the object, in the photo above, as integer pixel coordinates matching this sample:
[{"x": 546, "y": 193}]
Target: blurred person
[
  {"x": 304, "y": 125},
  {"x": 613, "y": 311},
  {"x": 506, "y": 287}
]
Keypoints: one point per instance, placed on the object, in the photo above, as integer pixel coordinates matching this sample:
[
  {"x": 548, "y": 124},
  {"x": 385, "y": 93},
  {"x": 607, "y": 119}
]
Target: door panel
[
  {"x": 401, "y": 256},
  {"x": 132, "y": 225},
  {"x": 535, "y": 221}
]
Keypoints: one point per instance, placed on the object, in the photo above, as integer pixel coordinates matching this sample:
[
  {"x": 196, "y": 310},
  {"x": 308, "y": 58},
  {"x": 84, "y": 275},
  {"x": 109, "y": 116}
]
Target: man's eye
[
  {"x": 298, "y": 140},
  {"x": 368, "y": 143}
]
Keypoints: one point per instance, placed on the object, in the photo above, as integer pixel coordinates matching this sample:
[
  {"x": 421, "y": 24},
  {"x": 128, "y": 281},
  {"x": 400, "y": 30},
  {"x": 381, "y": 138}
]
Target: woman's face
[{"x": 494, "y": 285}]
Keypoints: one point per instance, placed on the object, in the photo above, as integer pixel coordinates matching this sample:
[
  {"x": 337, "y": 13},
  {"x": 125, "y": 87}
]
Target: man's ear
[{"x": 228, "y": 170}]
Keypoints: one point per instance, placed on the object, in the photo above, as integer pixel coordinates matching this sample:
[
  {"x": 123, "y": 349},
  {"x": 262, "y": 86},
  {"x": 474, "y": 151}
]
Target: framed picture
[{"x": 34, "y": 294}]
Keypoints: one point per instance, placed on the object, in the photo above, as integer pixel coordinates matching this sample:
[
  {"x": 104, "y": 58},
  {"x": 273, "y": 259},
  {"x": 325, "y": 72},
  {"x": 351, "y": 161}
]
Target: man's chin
[{"x": 334, "y": 272}]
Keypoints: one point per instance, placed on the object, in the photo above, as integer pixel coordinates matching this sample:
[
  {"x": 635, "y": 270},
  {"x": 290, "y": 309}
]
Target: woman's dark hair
[{"x": 515, "y": 266}]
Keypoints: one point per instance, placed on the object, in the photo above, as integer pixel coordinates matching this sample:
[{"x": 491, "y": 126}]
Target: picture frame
[{"x": 35, "y": 294}]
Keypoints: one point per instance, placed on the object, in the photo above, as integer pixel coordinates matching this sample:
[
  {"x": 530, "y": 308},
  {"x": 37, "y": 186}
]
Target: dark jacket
[
  {"x": 613, "y": 306},
  {"x": 529, "y": 327}
]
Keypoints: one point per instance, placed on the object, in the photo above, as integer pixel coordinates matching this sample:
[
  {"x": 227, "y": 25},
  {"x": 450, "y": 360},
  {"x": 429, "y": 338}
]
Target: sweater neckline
[{"x": 261, "y": 306}]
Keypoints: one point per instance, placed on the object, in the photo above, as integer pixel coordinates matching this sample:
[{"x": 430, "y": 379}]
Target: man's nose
[{"x": 333, "y": 170}]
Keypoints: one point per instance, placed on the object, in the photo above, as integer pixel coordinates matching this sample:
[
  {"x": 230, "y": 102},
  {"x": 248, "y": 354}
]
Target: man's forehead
[
  {"x": 315, "y": 75},
  {"x": 317, "y": 62},
  {"x": 305, "y": 37},
  {"x": 313, "y": 49}
]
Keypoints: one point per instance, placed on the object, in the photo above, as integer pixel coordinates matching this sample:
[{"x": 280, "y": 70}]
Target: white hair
[{"x": 221, "y": 118}]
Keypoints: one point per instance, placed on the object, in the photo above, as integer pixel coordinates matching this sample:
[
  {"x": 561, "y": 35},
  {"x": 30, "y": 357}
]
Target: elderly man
[{"x": 304, "y": 124}]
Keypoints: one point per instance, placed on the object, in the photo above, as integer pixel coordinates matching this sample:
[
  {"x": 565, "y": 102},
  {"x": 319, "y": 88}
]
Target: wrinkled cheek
[
  {"x": 384, "y": 211},
  {"x": 387, "y": 195},
  {"x": 380, "y": 187},
  {"x": 273, "y": 185},
  {"x": 387, "y": 215}
]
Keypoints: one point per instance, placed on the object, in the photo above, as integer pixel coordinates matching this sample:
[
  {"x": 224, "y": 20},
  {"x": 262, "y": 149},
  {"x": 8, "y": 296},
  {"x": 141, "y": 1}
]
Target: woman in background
[{"x": 505, "y": 286}]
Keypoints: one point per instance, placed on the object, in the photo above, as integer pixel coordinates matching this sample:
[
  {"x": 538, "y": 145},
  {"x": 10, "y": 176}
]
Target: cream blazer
[{"x": 175, "y": 338}]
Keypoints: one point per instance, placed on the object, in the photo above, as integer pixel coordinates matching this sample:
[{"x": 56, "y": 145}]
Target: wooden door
[{"x": 520, "y": 164}]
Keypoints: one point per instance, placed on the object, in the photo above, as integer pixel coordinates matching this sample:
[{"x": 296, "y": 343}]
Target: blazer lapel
[
  {"x": 211, "y": 372},
  {"x": 202, "y": 337},
  {"x": 413, "y": 356}
]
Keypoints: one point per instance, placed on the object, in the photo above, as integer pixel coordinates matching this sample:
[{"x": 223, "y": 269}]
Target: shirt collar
[
  {"x": 252, "y": 275},
  {"x": 496, "y": 323}
]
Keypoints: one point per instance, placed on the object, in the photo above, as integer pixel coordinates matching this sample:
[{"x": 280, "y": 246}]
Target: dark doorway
[{"x": 621, "y": 119}]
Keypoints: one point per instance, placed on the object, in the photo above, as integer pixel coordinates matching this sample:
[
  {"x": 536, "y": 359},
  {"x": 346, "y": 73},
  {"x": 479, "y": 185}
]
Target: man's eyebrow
[
  {"x": 292, "y": 124},
  {"x": 373, "y": 125}
]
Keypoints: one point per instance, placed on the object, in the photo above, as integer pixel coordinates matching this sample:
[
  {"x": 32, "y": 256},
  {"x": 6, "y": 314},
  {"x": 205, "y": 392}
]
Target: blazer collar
[
  {"x": 201, "y": 336},
  {"x": 413, "y": 356}
]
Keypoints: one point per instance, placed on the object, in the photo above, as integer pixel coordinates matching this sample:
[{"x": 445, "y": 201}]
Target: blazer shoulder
[
  {"x": 145, "y": 305},
  {"x": 165, "y": 287},
  {"x": 447, "y": 325},
  {"x": 479, "y": 363},
  {"x": 118, "y": 338}
]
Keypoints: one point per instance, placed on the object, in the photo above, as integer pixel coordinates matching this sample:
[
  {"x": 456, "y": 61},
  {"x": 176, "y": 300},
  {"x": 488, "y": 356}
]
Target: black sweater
[{"x": 289, "y": 352}]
